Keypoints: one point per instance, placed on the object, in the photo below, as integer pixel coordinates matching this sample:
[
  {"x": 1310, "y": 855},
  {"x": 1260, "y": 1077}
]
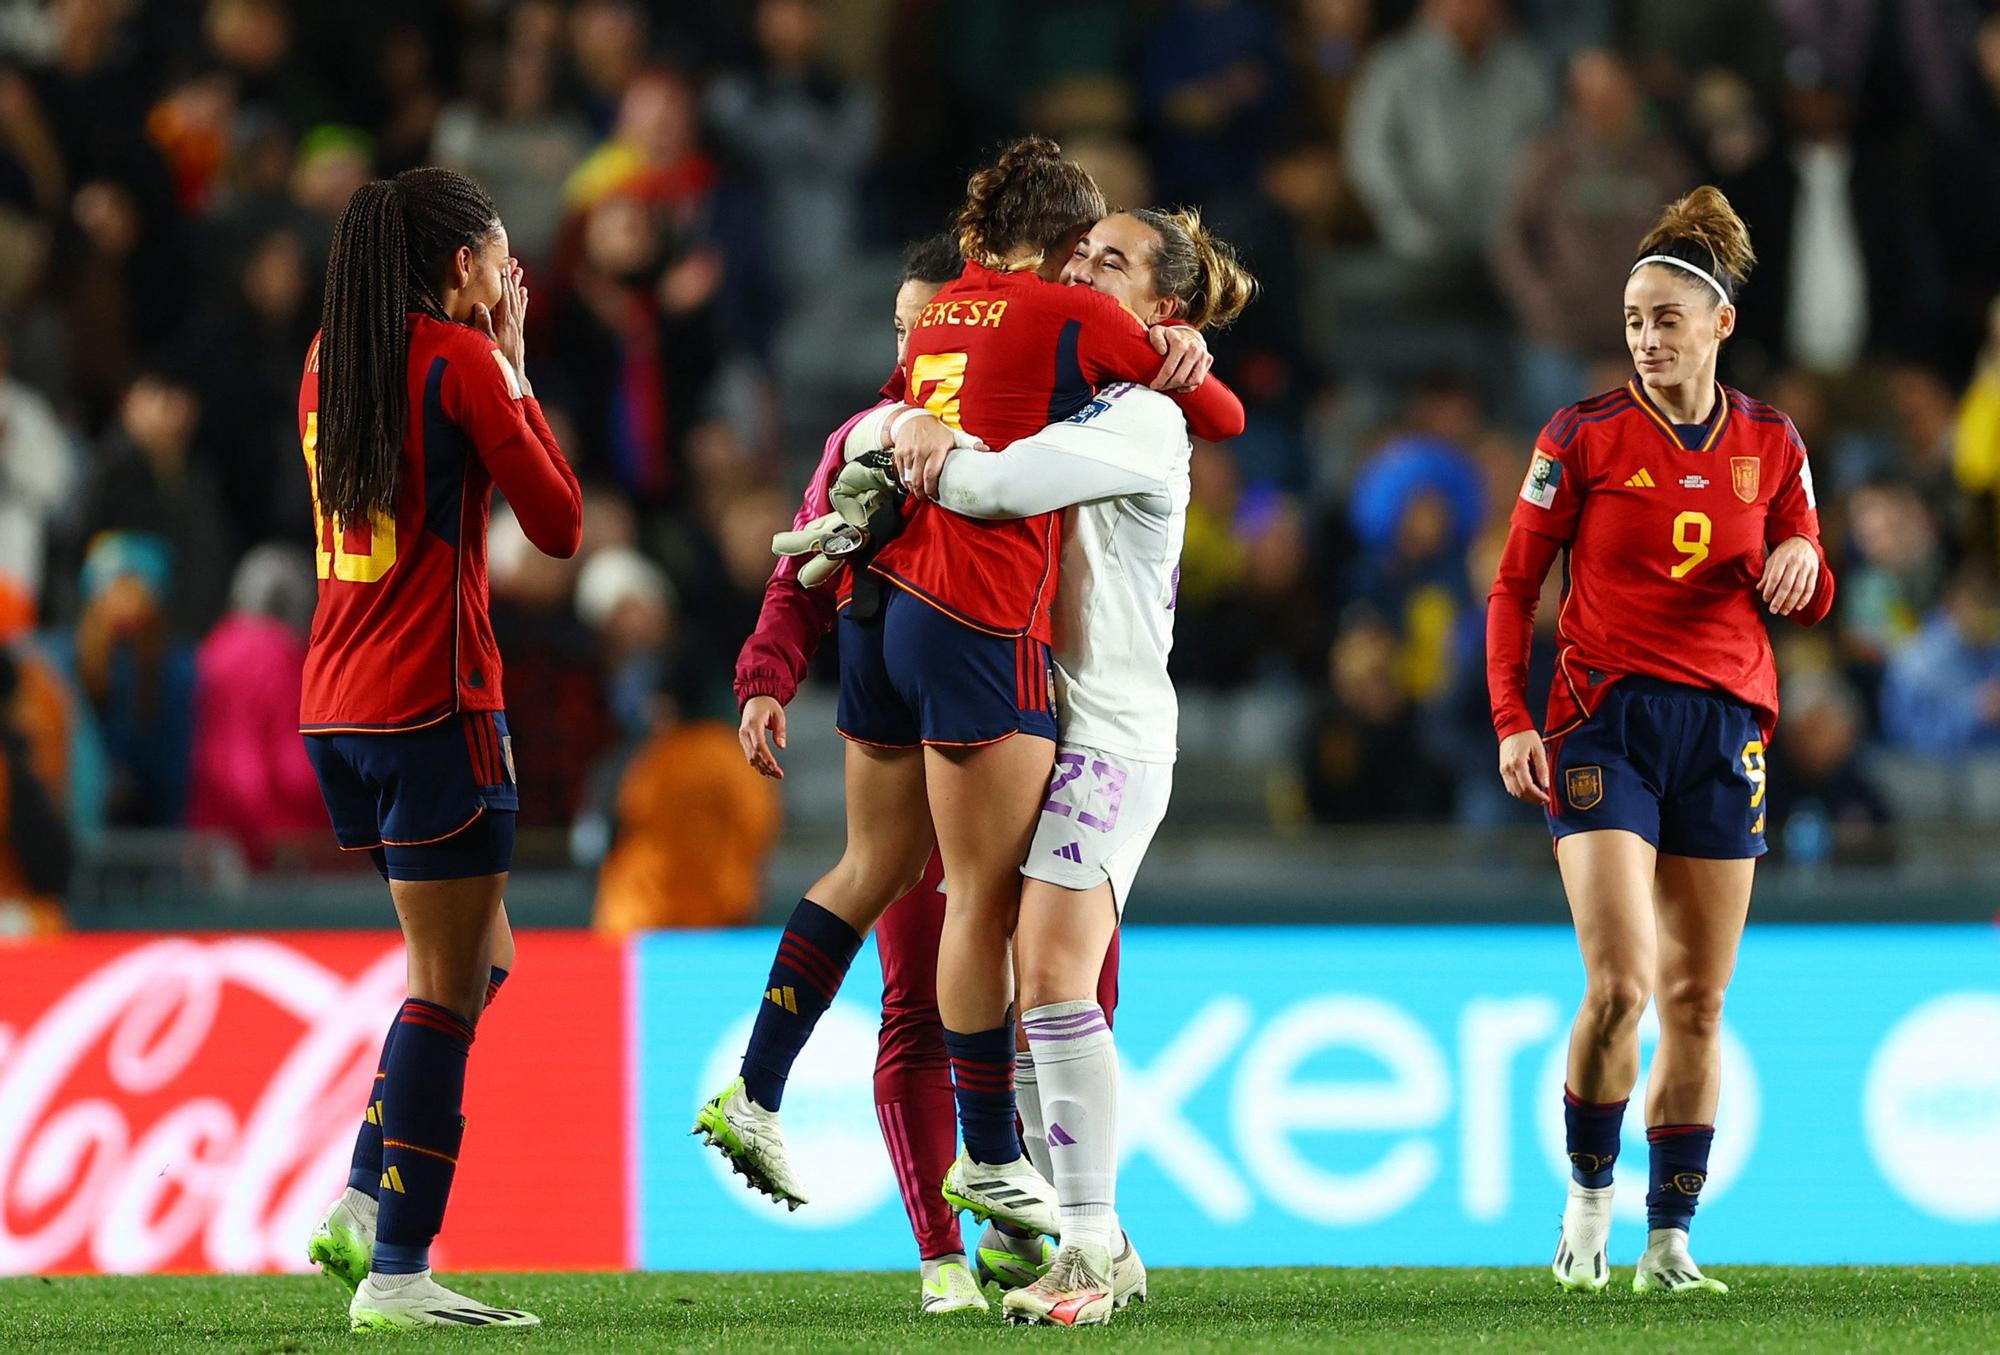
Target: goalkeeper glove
[
  {"x": 828, "y": 539},
  {"x": 864, "y": 489}
]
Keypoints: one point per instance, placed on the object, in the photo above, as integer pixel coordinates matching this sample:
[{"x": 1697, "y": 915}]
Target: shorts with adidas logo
[{"x": 1098, "y": 820}]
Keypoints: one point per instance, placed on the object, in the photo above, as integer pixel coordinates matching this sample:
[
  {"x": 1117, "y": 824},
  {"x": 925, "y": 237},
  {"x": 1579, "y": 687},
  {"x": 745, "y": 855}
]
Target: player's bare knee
[
  {"x": 1043, "y": 987},
  {"x": 887, "y": 878},
  {"x": 1613, "y": 1004},
  {"x": 991, "y": 917},
  {"x": 862, "y": 885},
  {"x": 1692, "y": 1008},
  {"x": 1053, "y": 974}
]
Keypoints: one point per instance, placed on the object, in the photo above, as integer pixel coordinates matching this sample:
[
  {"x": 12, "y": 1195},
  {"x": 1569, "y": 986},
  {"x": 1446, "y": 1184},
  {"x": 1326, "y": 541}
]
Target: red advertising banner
[{"x": 188, "y": 1102}]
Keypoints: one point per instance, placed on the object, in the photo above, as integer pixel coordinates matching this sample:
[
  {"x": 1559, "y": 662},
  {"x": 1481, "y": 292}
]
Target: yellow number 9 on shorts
[{"x": 1753, "y": 769}]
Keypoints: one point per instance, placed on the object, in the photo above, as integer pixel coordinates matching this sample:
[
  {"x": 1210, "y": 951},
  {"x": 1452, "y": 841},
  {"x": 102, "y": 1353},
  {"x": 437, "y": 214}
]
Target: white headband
[{"x": 1721, "y": 292}]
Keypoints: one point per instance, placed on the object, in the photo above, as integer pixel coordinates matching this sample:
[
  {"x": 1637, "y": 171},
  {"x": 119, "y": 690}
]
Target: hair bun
[
  {"x": 1029, "y": 148},
  {"x": 1029, "y": 195},
  {"x": 1704, "y": 223}
]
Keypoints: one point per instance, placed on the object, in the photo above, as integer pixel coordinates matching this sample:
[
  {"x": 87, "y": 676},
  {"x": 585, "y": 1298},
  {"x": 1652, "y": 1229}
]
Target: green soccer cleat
[
  {"x": 948, "y": 1287},
  {"x": 748, "y": 1136},
  {"x": 344, "y": 1243},
  {"x": 1666, "y": 1268},
  {"x": 1012, "y": 1262}
]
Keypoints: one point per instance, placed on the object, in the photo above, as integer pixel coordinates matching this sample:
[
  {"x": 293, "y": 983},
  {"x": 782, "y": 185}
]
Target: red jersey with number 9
[
  {"x": 1002, "y": 355},
  {"x": 401, "y": 638},
  {"x": 1667, "y": 536}
]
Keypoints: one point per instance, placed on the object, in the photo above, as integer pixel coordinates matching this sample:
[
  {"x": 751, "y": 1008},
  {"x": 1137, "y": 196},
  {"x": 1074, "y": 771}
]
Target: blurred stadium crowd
[{"x": 1441, "y": 197}]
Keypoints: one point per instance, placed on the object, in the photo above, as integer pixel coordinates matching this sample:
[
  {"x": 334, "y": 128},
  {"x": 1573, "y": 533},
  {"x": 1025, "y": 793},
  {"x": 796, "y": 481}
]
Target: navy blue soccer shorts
[
  {"x": 1682, "y": 767},
  {"x": 915, "y": 676},
  {"x": 427, "y": 804}
]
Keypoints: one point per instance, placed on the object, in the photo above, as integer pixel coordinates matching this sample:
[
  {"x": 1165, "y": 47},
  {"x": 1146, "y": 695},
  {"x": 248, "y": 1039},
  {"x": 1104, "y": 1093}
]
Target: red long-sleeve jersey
[
  {"x": 794, "y": 618},
  {"x": 1003, "y": 355},
  {"x": 401, "y": 637},
  {"x": 1667, "y": 540}
]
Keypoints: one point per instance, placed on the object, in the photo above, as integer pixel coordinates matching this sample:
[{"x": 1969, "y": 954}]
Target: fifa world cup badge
[
  {"x": 1583, "y": 786},
  {"x": 1544, "y": 474},
  {"x": 1743, "y": 477}
]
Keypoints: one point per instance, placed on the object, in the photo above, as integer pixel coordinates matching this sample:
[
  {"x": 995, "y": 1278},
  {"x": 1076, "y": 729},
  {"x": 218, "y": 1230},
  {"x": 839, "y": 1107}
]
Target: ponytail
[
  {"x": 1031, "y": 196},
  {"x": 388, "y": 256},
  {"x": 1701, "y": 235},
  {"x": 1197, "y": 267}
]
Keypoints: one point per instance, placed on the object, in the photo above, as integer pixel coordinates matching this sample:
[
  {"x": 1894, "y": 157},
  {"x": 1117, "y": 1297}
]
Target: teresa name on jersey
[{"x": 984, "y": 313}]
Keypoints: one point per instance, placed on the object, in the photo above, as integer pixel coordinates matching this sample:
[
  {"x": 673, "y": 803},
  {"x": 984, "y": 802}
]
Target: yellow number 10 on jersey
[
  {"x": 330, "y": 551},
  {"x": 1691, "y": 533}
]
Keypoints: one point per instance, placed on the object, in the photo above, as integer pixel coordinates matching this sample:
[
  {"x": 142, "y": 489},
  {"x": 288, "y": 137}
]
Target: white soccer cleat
[
  {"x": 1128, "y": 1275},
  {"x": 1580, "y": 1263},
  {"x": 748, "y": 1135},
  {"x": 344, "y": 1243},
  {"x": 1012, "y": 1192},
  {"x": 1077, "y": 1292},
  {"x": 1666, "y": 1268},
  {"x": 948, "y": 1286},
  {"x": 389, "y": 1303}
]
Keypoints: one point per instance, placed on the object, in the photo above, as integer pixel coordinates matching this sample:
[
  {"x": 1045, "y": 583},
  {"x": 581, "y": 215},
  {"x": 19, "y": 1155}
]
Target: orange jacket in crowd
[{"x": 694, "y": 826}]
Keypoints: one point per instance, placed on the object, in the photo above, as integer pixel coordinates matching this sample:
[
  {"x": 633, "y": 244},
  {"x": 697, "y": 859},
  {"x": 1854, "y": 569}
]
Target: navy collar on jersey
[{"x": 1667, "y": 425}]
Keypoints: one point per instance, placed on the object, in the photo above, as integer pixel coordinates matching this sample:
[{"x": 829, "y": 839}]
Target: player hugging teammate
[
  {"x": 946, "y": 673},
  {"x": 1683, "y": 505}
]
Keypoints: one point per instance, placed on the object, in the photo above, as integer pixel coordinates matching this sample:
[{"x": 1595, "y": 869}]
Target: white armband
[
  {"x": 871, "y": 432},
  {"x": 903, "y": 416}
]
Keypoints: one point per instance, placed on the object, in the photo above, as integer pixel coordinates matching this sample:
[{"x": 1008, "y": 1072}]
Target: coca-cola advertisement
[{"x": 188, "y": 1103}]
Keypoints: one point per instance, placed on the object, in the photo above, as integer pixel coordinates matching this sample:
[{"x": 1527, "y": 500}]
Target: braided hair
[{"x": 389, "y": 254}]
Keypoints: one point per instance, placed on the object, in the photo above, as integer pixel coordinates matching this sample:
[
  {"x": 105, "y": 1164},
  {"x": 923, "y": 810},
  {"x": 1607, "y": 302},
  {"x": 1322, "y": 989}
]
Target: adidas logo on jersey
[
  {"x": 1643, "y": 480},
  {"x": 1071, "y": 852},
  {"x": 1694, "y": 482}
]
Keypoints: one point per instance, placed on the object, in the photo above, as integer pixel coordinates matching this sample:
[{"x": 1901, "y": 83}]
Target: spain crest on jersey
[
  {"x": 1583, "y": 786},
  {"x": 1743, "y": 473}
]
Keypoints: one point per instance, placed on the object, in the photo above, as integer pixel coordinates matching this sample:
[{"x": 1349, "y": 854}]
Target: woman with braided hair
[{"x": 415, "y": 403}]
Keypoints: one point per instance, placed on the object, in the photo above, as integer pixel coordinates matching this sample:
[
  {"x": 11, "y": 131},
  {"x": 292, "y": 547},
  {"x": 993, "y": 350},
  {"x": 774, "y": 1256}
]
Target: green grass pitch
[{"x": 1901, "y": 1309}]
